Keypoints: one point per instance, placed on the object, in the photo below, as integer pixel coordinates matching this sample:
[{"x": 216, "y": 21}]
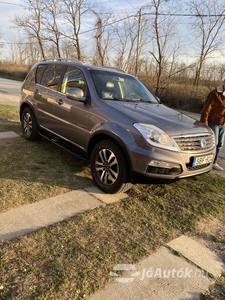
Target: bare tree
[
  {"x": 1, "y": 45},
  {"x": 127, "y": 52},
  {"x": 208, "y": 26},
  {"x": 98, "y": 38},
  {"x": 73, "y": 11},
  {"x": 164, "y": 27},
  {"x": 130, "y": 38},
  {"x": 32, "y": 22},
  {"x": 51, "y": 20},
  {"x": 102, "y": 38},
  {"x": 124, "y": 49},
  {"x": 21, "y": 51}
]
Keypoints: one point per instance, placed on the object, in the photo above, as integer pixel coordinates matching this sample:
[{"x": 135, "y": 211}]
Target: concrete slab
[
  {"x": 161, "y": 276},
  {"x": 30, "y": 217},
  {"x": 198, "y": 254},
  {"x": 8, "y": 135},
  {"x": 106, "y": 198}
]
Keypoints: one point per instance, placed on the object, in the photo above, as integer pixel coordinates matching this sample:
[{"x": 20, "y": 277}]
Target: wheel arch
[
  {"x": 23, "y": 106},
  {"x": 115, "y": 139}
]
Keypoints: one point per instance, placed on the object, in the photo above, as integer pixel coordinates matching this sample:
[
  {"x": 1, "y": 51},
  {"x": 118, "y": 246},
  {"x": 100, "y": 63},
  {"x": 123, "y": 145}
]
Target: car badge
[{"x": 203, "y": 143}]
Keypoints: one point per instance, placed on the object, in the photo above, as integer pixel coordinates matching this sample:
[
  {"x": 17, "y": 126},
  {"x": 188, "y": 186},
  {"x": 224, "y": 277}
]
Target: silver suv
[{"x": 112, "y": 119}]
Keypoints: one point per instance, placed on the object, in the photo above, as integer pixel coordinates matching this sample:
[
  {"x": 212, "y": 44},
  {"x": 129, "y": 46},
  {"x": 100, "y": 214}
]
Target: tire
[
  {"x": 29, "y": 125},
  {"x": 109, "y": 167}
]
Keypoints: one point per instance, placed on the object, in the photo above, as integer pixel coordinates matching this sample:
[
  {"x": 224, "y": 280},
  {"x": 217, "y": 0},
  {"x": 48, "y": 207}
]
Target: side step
[{"x": 64, "y": 145}]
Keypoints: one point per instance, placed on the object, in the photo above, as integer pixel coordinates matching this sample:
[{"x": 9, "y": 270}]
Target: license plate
[{"x": 201, "y": 160}]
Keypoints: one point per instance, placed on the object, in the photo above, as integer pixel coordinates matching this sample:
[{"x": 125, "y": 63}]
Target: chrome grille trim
[{"x": 195, "y": 142}]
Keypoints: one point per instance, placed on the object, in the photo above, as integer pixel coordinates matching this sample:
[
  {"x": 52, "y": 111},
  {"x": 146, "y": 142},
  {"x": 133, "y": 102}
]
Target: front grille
[
  {"x": 165, "y": 171},
  {"x": 195, "y": 142},
  {"x": 195, "y": 168}
]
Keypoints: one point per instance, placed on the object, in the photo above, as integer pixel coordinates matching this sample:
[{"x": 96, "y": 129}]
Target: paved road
[{"x": 10, "y": 86}]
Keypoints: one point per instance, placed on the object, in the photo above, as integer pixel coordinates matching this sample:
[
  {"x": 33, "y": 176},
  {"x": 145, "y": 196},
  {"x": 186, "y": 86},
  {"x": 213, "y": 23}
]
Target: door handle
[{"x": 59, "y": 101}]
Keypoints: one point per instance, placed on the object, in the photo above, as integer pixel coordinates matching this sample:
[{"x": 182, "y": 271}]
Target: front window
[
  {"x": 73, "y": 78},
  {"x": 121, "y": 87}
]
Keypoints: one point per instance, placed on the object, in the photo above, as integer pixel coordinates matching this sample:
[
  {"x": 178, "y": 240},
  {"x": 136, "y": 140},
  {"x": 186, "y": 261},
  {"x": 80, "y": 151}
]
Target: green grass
[{"x": 72, "y": 259}]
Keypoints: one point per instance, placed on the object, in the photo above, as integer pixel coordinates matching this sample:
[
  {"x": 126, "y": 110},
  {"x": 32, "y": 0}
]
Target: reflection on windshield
[{"x": 120, "y": 87}]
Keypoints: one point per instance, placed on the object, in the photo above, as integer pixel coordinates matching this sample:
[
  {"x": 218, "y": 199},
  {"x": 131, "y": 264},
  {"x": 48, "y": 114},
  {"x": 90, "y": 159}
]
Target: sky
[{"x": 10, "y": 8}]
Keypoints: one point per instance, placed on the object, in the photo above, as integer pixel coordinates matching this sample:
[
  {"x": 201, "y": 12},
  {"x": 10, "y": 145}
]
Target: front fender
[{"x": 122, "y": 135}]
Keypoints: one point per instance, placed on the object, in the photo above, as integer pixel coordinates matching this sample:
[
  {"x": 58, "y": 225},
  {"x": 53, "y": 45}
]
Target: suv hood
[{"x": 159, "y": 115}]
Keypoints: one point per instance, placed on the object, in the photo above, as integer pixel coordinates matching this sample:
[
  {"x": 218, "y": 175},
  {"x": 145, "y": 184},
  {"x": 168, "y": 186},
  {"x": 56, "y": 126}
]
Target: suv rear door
[{"x": 46, "y": 94}]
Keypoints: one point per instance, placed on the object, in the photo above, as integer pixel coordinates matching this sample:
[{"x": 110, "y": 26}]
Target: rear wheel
[
  {"x": 109, "y": 167},
  {"x": 29, "y": 125}
]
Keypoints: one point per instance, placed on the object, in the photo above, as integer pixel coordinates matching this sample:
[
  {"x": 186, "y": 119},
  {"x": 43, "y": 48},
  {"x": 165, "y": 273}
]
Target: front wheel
[
  {"x": 29, "y": 125},
  {"x": 109, "y": 167}
]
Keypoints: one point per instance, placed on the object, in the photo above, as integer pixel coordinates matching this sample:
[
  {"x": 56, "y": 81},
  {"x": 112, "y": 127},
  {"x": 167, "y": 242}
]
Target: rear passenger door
[{"x": 47, "y": 94}]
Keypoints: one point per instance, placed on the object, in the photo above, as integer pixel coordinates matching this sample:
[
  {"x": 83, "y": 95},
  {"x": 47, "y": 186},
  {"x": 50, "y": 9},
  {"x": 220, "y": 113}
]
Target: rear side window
[
  {"x": 51, "y": 76},
  {"x": 39, "y": 72},
  {"x": 29, "y": 80}
]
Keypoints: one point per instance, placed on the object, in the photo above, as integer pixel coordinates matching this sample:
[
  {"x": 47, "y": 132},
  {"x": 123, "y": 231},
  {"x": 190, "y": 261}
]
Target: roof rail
[
  {"x": 64, "y": 59},
  {"x": 115, "y": 68}
]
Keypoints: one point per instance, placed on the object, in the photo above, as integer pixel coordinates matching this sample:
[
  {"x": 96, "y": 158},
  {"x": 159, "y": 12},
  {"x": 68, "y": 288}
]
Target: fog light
[{"x": 163, "y": 164}]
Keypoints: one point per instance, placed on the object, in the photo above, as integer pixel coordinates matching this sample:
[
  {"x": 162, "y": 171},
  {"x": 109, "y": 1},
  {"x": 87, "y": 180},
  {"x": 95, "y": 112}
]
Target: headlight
[{"x": 156, "y": 136}]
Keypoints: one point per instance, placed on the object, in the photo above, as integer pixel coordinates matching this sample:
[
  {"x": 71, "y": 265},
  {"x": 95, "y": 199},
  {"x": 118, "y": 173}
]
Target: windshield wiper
[
  {"x": 139, "y": 100},
  {"x": 129, "y": 100},
  {"x": 118, "y": 99}
]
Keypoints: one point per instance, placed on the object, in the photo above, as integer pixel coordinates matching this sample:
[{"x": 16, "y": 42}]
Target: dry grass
[
  {"x": 30, "y": 172},
  {"x": 13, "y": 71},
  {"x": 72, "y": 259}
]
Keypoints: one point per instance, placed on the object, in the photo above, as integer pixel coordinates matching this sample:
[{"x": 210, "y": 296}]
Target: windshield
[{"x": 121, "y": 87}]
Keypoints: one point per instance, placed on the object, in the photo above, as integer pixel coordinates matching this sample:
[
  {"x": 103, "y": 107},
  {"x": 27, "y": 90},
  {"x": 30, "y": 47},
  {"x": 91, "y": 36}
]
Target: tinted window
[
  {"x": 29, "y": 81},
  {"x": 39, "y": 72},
  {"x": 119, "y": 86},
  {"x": 73, "y": 78},
  {"x": 52, "y": 76}
]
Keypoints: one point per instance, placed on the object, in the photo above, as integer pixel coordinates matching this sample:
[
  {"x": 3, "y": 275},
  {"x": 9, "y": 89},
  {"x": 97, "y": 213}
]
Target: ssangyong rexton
[{"x": 112, "y": 119}]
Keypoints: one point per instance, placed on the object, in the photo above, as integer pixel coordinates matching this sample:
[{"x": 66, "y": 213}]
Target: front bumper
[{"x": 164, "y": 164}]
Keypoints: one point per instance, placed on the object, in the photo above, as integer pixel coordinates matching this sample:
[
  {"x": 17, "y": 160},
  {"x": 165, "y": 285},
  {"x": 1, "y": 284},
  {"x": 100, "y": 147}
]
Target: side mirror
[
  {"x": 75, "y": 94},
  {"x": 158, "y": 100}
]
